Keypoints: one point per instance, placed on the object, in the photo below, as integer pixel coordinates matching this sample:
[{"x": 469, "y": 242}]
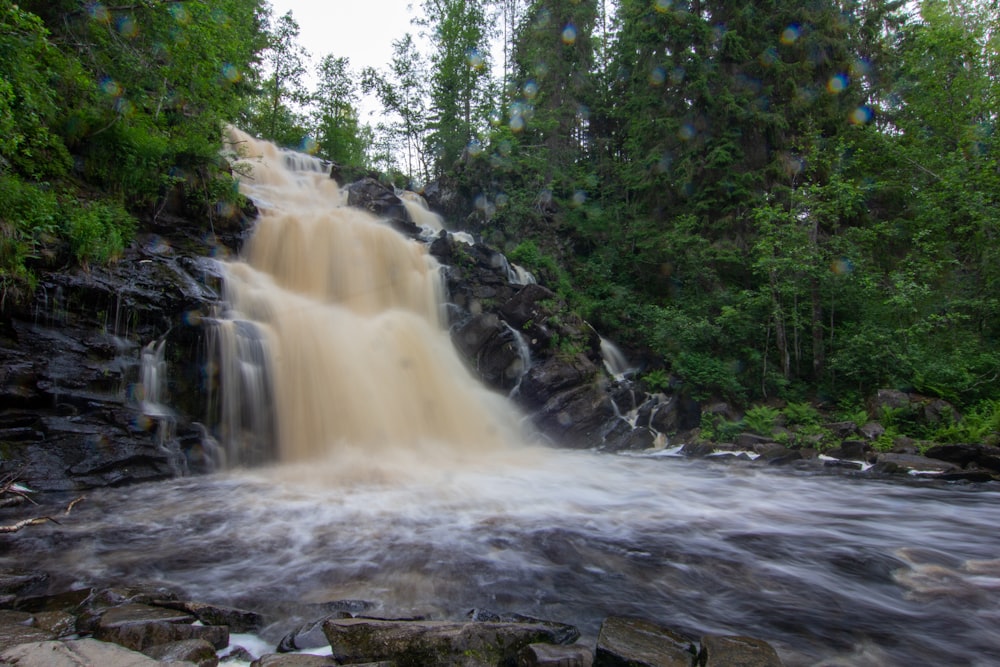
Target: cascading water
[
  {"x": 404, "y": 491},
  {"x": 348, "y": 313}
]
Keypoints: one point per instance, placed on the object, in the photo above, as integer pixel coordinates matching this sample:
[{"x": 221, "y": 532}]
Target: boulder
[
  {"x": 197, "y": 651},
  {"x": 139, "y": 626},
  {"x": 635, "y": 642},
  {"x": 736, "y": 651},
  {"x": 285, "y": 660},
  {"x": 237, "y": 620},
  {"x": 966, "y": 455},
  {"x": 12, "y": 634},
  {"x": 906, "y": 463},
  {"x": 422, "y": 643},
  {"x": 380, "y": 200},
  {"x": 554, "y": 655},
  {"x": 76, "y": 653}
]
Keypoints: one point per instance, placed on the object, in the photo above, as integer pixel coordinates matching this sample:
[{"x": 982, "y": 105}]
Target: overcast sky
[{"x": 362, "y": 31}]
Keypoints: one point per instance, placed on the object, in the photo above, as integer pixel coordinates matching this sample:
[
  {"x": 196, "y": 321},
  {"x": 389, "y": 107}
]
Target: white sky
[{"x": 361, "y": 31}]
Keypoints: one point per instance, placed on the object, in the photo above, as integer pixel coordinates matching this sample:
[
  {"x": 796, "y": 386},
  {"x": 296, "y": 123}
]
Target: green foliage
[
  {"x": 981, "y": 424},
  {"x": 716, "y": 428},
  {"x": 802, "y": 414},
  {"x": 98, "y": 231},
  {"x": 761, "y": 419},
  {"x": 656, "y": 380}
]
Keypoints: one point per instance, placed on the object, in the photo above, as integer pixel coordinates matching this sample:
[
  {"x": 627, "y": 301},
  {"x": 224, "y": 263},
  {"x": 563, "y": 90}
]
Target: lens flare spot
[
  {"x": 309, "y": 145},
  {"x": 791, "y": 34},
  {"x": 474, "y": 147},
  {"x": 663, "y": 6},
  {"x": 110, "y": 87},
  {"x": 127, "y": 27},
  {"x": 837, "y": 84},
  {"x": 769, "y": 57},
  {"x": 517, "y": 123},
  {"x": 530, "y": 90},
  {"x": 686, "y": 132},
  {"x": 98, "y": 12},
  {"x": 231, "y": 73},
  {"x": 579, "y": 198},
  {"x": 861, "y": 116},
  {"x": 569, "y": 34},
  {"x": 180, "y": 14},
  {"x": 475, "y": 59},
  {"x": 842, "y": 266},
  {"x": 657, "y": 76}
]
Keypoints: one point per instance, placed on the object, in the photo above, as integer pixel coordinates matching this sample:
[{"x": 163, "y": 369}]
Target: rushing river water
[{"x": 831, "y": 570}]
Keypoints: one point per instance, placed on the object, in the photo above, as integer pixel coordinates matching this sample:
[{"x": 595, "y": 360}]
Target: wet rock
[
  {"x": 307, "y": 635},
  {"x": 733, "y": 651},
  {"x": 562, "y": 633},
  {"x": 698, "y": 449},
  {"x": 905, "y": 463},
  {"x": 197, "y": 651},
  {"x": 872, "y": 430},
  {"x": 751, "y": 440},
  {"x": 76, "y": 653},
  {"x": 237, "y": 654},
  {"x": 59, "y": 623},
  {"x": 19, "y": 582},
  {"x": 284, "y": 660},
  {"x": 635, "y": 439},
  {"x": 552, "y": 655},
  {"x": 18, "y": 633},
  {"x": 380, "y": 200},
  {"x": 576, "y": 417},
  {"x": 857, "y": 450},
  {"x": 493, "y": 348},
  {"x": 842, "y": 430},
  {"x": 420, "y": 643},
  {"x": 139, "y": 626},
  {"x": 237, "y": 620},
  {"x": 634, "y": 642},
  {"x": 965, "y": 455}
]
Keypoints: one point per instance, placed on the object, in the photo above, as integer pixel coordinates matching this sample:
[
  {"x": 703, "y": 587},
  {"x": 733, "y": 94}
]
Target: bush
[
  {"x": 98, "y": 231},
  {"x": 761, "y": 419}
]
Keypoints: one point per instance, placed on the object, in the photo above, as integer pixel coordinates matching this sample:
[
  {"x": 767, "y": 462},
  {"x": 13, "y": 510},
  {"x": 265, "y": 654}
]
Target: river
[{"x": 831, "y": 570}]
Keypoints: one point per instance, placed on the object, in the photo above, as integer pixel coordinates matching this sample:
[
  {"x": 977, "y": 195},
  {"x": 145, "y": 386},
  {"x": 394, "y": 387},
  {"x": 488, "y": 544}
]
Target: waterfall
[{"x": 351, "y": 357}]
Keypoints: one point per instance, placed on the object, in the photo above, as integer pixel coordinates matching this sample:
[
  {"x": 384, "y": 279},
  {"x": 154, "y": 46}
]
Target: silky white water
[{"x": 396, "y": 481}]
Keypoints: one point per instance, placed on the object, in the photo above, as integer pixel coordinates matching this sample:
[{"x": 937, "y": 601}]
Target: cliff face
[{"x": 102, "y": 382}]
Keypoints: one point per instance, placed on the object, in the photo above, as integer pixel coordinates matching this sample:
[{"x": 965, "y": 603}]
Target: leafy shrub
[
  {"x": 656, "y": 380},
  {"x": 761, "y": 419},
  {"x": 801, "y": 414},
  {"x": 98, "y": 231},
  {"x": 716, "y": 428}
]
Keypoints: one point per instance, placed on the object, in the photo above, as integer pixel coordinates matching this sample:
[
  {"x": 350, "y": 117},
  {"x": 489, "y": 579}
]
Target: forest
[{"x": 791, "y": 200}]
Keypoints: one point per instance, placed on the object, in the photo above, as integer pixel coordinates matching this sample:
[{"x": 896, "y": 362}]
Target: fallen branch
[{"x": 10, "y": 487}]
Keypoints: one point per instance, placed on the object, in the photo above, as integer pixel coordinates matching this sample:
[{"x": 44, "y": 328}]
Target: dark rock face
[
  {"x": 376, "y": 198},
  {"x": 524, "y": 340},
  {"x": 76, "y": 411}
]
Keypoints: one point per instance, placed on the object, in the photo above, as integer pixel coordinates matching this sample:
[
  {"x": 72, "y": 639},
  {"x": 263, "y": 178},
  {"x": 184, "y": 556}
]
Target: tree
[
  {"x": 275, "y": 114},
  {"x": 403, "y": 91},
  {"x": 460, "y": 95},
  {"x": 339, "y": 135}
]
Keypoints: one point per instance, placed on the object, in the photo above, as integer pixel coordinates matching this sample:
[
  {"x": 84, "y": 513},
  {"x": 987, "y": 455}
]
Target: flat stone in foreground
[
  {"x": 735, "y": 651},
  {"x": 423, "y": 643},
  {"x": 78, "y": 653},
  {"x": 634, "y": 642}
]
